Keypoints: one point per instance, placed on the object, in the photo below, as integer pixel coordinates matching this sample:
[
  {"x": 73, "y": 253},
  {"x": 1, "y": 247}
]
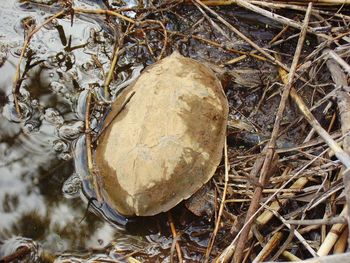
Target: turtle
[{"x": 163, "y": 137}]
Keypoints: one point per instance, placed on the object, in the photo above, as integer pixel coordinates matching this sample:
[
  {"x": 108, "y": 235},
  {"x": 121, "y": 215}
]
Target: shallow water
[
  {"x": 41, "y": 151},
  {"x": 36, "y": 154}
]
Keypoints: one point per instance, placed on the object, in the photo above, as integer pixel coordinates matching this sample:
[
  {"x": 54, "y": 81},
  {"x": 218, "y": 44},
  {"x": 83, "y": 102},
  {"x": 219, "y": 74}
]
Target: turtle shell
[{"x": 163, "y": 138}]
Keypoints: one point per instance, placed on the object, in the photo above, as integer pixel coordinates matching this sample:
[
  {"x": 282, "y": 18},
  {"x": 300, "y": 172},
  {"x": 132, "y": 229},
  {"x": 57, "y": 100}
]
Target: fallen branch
[
  {"x": 326, "y": 221},
  {"x": 270, "y": 149}
]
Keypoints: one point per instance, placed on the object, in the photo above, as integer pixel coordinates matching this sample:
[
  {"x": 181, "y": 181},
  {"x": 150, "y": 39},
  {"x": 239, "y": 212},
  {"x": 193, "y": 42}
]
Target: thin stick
[
  {"x": 113, "y": 65},
  {"x": 300, "y": 2},
  {"x": 111, "y": 71},
  {"x": 221, "y": 209},
  {"x": 165, "y": 32},
  {"x": 340, "y": 154},
  {"x": 103, "y": 12},
  {"x": 16, "y": 83},
  {"x": 227, "y": 253},
  {"x": 343, "y": 100},
  {"x": 175, "y": 237},
  {"x": 276, "y": 37},
  {"x": 338, "y": 151},
  {"x": 281, "y": 19},
  {"x": 270, "y": 149},
  {"x": 296, "y": 234},
  {"x": 216, "y": 44},
  {"x": 280, "y": 5},
  {"x": 237, "y": 32},
  {"x": 214, "y": 25},
  {"x": 89, "y": 150},
  {"x": 325, "y": 221},
  {"x": 341, "y": 61},
  {"x": 267, "y": 215}
]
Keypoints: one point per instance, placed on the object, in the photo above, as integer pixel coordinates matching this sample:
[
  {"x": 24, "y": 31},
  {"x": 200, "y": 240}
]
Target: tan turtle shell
[{"x": 165, "y": 137}]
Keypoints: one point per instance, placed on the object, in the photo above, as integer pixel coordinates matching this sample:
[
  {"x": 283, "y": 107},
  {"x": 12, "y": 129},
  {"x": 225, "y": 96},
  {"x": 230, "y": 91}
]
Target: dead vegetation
[{"x": 284, "y": 187}]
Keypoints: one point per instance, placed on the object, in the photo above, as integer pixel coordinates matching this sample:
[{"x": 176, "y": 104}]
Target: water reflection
[
  {"x": 30, "y": 193},
  {"x": 33, "y": 153}
]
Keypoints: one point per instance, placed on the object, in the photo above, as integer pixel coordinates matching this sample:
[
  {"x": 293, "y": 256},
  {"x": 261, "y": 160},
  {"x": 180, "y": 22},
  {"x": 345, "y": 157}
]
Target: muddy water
[{"x": 41, "y": 151}]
